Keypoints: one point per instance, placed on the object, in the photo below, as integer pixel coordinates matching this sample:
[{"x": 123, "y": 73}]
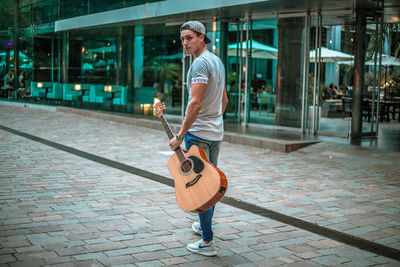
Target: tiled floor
[{"x": 72, "y": 194}]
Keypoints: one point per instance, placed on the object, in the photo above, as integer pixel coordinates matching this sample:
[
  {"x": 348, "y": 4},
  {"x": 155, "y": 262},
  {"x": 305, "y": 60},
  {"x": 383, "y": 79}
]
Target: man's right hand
[{"x": 175, "y": 143}]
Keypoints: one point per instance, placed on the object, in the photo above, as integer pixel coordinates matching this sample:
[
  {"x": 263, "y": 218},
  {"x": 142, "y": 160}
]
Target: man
[{"x": 203, "y": 123}]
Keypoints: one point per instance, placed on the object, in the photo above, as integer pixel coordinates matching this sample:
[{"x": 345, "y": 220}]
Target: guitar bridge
[{"x": 194, "y": 180}]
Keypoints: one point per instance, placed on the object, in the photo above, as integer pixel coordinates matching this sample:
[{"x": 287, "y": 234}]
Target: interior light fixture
[
  {"x": 39, "y": 85},
  {"x": 77, "y": 87}
]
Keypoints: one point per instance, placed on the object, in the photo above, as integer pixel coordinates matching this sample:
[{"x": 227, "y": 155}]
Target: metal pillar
[
  {"x": 306, "y": 52},
  {"x": 359, "y": 66},
  {"x": 65, "y": 57},
  {"x": 16, "y": 46}
]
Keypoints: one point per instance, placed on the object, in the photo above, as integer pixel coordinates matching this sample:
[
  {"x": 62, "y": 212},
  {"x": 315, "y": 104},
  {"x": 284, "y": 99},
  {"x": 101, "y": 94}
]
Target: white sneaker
[
  {"x": 202, "y": 248},
  {"x": 196, "y": 228}
]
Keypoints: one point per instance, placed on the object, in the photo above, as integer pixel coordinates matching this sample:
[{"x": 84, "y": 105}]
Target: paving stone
[
  {"x": 329, "y": 260},
  {"x": 104, "y": 246},
  {"x": 123, "y": 251},
  {"x": 154, "y": 263},
  {"x": 117, "y": 260},
  {"x": 153, "y": 255},
  {"x": 89, "y": 256},
  {"x": 274, "y": 252},
  {"x": 69, "y": 251},
  {"x": 7, "y": 258},
  {"x": 174, "y": 261}
]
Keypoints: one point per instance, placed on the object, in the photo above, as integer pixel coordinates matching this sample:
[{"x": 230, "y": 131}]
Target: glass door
[
  {"x": 236, "y": 71},
  {"x": 329, "y": 111},
  {"x": 328, "y": 107}
]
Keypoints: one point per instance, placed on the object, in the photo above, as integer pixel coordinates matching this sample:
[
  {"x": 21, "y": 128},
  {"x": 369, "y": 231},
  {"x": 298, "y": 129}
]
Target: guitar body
[{"x": 199, "y": 186}]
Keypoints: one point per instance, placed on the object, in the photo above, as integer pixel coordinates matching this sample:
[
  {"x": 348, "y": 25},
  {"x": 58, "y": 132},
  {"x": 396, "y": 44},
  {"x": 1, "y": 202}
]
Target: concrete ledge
[
  {"x": 273, "y": 144},
  {"x": 27, "y": 105},
  {"x": 268, "y": 143}
]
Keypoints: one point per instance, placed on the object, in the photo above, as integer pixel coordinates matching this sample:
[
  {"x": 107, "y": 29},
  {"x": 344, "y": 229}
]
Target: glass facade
[{"x": 281, "y": 70}]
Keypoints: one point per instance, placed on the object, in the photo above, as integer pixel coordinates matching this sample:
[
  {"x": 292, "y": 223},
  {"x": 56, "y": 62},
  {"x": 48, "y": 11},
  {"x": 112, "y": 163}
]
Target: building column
[
  {"x": 288, "y": 73},
  {"x": 139, "y": 55},
  {"x": 65, "y": 58},
  {"x": 360, "y": 47},
  {"x": 333, "y": 42},
  {"x": 223, "y": 44},
  {"x": 130, "y": 65},
  {"x": 120, "y": 47},
  {"x": 274, "y": 65},
  {"x": 16, "y": 47}
]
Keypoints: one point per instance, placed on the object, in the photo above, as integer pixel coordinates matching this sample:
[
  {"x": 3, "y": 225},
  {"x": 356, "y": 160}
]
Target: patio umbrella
[
  {"x": 21, "y": 55},
  {"x": 386, "y": 61},
  {"x": 329, "y": 55},
  {"x": 105, "y": 49},
  {"x": 26, "y": 66},
  {"x": 258, "y": 50},
  {"x": 88, "y": 66},
  {"x": 173, "y": 57}
]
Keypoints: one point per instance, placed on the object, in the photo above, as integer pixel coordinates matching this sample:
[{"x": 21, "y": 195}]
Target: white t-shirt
[{"x": 208, "y": 69}]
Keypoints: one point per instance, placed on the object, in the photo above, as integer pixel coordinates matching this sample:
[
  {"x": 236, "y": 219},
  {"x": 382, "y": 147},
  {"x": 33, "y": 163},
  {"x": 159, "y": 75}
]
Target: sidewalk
[{"x": 74, "y": 192}]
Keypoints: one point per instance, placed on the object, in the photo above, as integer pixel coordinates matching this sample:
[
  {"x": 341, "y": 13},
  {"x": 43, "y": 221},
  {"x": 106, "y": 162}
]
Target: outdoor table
[
  {"x": 112, "y": 92},
  {"x": 385, "y": 109}
]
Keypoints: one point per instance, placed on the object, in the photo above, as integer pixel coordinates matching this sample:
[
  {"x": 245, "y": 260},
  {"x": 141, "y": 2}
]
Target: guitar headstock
[{"x": 159, "y": 109}]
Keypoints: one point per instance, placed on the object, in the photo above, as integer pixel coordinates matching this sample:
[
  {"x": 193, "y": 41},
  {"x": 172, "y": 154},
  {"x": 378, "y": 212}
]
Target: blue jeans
[{"x": 212, "y": 151}]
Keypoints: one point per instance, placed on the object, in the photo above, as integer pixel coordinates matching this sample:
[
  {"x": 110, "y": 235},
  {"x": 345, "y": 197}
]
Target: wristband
[{"x": 177, "y": 137}]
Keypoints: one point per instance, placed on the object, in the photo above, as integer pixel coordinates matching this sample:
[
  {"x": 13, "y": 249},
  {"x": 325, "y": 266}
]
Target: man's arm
[
  {"x": 224, "y": 100},
  {"x": 193, "y": 109}
]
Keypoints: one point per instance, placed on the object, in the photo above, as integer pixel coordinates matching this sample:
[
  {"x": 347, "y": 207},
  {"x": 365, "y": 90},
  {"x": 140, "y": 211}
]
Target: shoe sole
[{"x": 206, "y": 253}]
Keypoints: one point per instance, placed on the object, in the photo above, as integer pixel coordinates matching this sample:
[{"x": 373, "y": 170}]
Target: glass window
[
  {"x": 163, "y": 64},
  {"x": 98, "y": 61}
]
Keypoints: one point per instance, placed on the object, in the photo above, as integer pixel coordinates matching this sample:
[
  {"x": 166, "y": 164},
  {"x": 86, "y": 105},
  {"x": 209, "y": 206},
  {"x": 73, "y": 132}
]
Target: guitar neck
[{"x": 170, "y": 135}]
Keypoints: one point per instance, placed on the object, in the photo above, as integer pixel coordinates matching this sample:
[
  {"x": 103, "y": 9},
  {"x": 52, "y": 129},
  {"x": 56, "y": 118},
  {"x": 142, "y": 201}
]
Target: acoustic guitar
[{"x": 198, "y": 183}]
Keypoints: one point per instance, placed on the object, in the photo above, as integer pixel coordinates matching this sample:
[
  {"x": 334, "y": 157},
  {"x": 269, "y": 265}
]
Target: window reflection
[
  {"x": 99, "y": 61},
  {"x": 163, "y": 64}
]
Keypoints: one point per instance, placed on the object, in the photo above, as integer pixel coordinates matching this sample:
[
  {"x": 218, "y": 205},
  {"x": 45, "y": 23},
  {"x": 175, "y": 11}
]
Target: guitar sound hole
[{"x": 186, "y": 166}]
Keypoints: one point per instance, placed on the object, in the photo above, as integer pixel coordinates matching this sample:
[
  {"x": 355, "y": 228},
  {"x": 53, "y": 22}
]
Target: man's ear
[{"x": 202, "y": 37}]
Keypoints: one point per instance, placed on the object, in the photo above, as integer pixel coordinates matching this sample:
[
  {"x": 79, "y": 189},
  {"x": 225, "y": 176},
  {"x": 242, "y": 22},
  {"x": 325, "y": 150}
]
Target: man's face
[{"x": 190, "y": 41}]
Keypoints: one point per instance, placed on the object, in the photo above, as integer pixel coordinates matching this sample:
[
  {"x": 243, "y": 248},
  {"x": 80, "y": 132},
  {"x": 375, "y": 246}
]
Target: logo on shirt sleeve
[{"x": 200, "y": 80}]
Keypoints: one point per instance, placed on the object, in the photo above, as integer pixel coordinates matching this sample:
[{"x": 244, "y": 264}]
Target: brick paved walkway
[{"x": 59, "y": 208}]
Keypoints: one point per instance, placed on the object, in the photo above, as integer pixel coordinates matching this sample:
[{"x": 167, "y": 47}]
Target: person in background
[
  {"x": 21, "y": 86},
  {"x": 344, "y": 90},
  {"x": 9, "y": 82},
  {"x": 334, "y": 92}
]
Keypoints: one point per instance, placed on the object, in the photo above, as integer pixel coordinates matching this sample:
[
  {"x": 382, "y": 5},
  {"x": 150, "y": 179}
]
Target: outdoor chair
[
  {"x": 56, "y": 92},
  {"x": 121, "y": 97},
  {"x": 69, "y": 94},
  {"x": 40, "y": 92},
  {"x": 98, "y": 95}
]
